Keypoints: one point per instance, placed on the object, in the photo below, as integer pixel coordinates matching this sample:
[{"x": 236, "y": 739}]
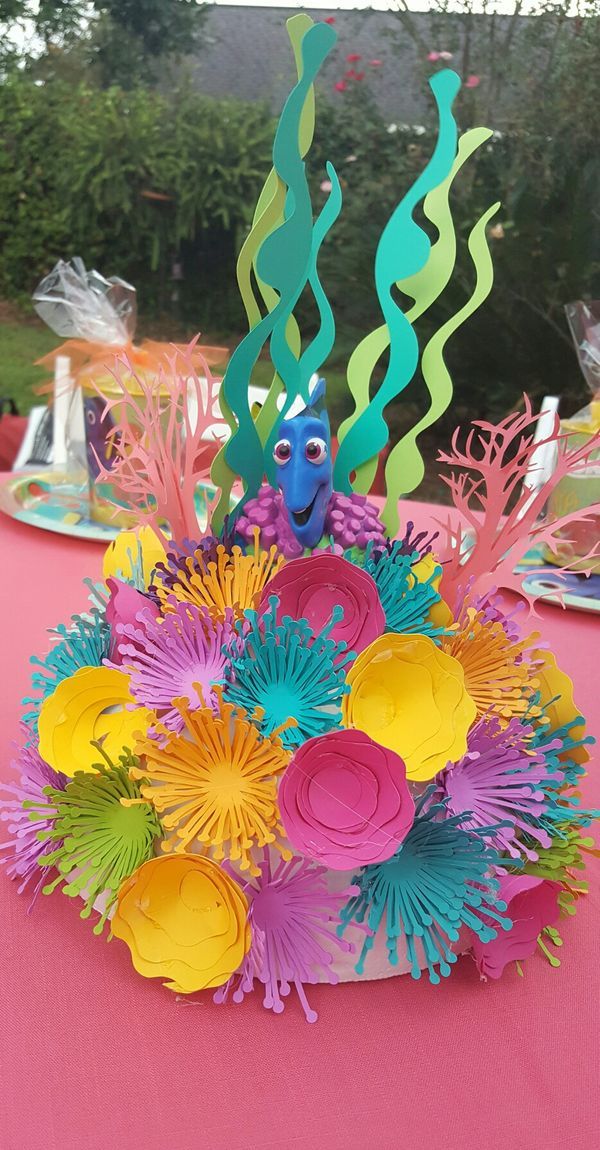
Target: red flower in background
[
  {"x": 353, "y": 58},
  {"x": 329, "y": 20},
  {"x": 340, "y": 86}
]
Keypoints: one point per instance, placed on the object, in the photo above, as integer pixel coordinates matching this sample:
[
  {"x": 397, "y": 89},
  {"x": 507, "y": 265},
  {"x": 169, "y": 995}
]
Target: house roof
[{"x": 245, "y": 52}]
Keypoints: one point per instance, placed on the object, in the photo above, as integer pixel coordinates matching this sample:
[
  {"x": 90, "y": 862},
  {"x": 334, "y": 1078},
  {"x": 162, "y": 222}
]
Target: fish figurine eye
[
  {"x": 282, "y": 451},
  {"x": 316, "y": 450}
]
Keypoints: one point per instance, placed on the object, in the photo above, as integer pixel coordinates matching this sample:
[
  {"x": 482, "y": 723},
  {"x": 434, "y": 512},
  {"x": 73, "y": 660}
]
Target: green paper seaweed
[
  {"x": 404, "y": 468},
  {"x": 403, "y": 251},
  {"x": 283, "y": 253},
  {"x": 268, "y": 215}
]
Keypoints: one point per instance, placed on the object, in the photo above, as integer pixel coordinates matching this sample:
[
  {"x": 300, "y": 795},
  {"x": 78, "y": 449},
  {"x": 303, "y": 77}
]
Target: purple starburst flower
[
  {"x": 294, "y": 920},
  {"x": 181, "y": 655},
  {"x": 417, "y": 546},
  {"x": 493, "y": 612},
  {"x": 201, "y": 552},
  {"x": 500, "y": 779},
  {"x": 20, "y": 853}
]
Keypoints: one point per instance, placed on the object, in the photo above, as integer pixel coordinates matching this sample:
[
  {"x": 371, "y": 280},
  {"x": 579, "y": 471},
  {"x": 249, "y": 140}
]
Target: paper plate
[
  {"x": 48, "y": 500},
  {"x": 552, "y": 586}
]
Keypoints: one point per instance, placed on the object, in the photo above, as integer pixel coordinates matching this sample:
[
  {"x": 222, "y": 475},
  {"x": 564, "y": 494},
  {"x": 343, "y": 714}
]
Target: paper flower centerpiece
[
  {"x": 411, "y": 697},
  {"x": 311, "y": 588},
  {"x": 344, "y": 800},
  {"x": 184, "y": 919},
  {"x": 226, "y": 757}
]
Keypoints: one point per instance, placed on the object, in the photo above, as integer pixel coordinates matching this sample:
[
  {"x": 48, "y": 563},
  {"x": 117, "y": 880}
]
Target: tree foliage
[
  {"x": 536, "y": 82},
  {"x": 132, "y": 181},
  {"x": 123, "y": 41}
]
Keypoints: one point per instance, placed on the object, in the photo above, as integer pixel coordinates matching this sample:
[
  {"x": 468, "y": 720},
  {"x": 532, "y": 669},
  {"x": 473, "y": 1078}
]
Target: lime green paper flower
[{"x": 102, "y": 832}]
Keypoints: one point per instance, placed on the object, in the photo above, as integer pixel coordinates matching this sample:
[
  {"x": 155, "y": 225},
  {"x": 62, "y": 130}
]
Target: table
[{"x": 92, "y": 1056}]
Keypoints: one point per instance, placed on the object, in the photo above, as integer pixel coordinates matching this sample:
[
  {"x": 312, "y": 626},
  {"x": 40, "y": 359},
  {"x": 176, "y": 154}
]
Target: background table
[{"x": 93, "y": 1056}]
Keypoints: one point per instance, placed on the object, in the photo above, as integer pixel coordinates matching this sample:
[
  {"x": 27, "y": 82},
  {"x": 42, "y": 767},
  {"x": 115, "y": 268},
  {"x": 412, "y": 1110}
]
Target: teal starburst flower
[
  {"x": 438, "y": 881},
  {"x": 406, "y": 601},
  {"x": 84, "y": 644},
  {"x": 101, "y": 832},
  {"x": 557, "y": 746},
  {"x": 286, "y": 671}
]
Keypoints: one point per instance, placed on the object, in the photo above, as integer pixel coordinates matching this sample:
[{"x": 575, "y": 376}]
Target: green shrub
[{"x": 131, "y": 181}]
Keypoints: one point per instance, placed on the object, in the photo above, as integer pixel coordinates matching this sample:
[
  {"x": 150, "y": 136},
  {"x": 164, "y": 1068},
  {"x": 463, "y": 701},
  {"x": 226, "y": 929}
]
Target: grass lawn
[
  {"x": 23, "y": 340},
  {"x": 20, "y": 345}
]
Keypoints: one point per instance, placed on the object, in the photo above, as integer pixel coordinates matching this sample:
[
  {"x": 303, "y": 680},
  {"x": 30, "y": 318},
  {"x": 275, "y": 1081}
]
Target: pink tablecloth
[{"x": 92, "y": 1056}]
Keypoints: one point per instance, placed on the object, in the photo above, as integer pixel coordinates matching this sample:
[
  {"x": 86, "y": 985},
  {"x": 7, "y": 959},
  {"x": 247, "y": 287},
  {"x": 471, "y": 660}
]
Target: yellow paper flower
[
  {"x": 130, "y": 551},
  {"x": 556, "y": 685},
  {"x": 410, "y": 696},
  {"x": 440, "y": 613},
  {"x": 496, "y": 677},
  {"x": 184, "y": 919},
  {"x": 216, "y": 784},
  {"x": 231, "y": 580},
  {"x": 89, "y": 706}
]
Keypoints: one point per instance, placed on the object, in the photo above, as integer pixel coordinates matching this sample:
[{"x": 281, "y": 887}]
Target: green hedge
[{"x": 131, "y": 181}]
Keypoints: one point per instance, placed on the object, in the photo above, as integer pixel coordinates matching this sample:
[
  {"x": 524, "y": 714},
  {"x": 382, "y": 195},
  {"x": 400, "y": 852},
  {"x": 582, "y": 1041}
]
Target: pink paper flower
[
  {"x": 340, "y": 86},
  {"x": 310, "y": 588},
  {"x": 344, "y": 800},
  {"x": 122, "y": 609},
  {"x": 532, "y": 904},
  {"x": 472, "y": 81}
]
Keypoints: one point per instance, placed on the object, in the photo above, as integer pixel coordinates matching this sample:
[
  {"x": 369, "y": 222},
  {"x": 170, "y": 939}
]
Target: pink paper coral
[
  {"x": 503, "y": 517},
  {"x": 160, "y": 443}
]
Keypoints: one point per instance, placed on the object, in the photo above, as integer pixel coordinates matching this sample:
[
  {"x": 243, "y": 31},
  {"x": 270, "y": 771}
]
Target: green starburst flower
[{"x": 102, "y": 831}]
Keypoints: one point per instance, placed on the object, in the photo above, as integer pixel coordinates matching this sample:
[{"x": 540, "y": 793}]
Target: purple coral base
[{"x": 351, "y": 521}]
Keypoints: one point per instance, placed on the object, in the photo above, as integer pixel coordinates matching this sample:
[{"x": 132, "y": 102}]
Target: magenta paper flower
[
  {"x": 181, "y": 655},
  {"x": 294, "y": 922},
  {"x": 532, "y": 904},
  {"x": 124, "y": 604},
  {"x": 499, "y": 780},
  {"x": 310, "y": 588},
  {"x": 20, "y": 853},
  {"x": 344, "y": 800}
]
